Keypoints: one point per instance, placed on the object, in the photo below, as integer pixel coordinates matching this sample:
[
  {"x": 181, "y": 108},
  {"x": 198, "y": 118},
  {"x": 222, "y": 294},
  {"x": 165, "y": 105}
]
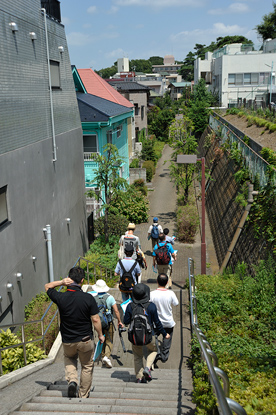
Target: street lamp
[{"x": 192, "y": 159}]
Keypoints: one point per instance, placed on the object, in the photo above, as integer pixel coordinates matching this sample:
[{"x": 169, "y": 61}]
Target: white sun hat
[{"x": 100, "y": 286}]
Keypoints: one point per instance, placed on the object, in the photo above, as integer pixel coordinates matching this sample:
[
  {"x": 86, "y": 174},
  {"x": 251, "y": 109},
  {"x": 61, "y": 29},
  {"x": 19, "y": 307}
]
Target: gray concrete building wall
[{"x": 40, "y": 191}]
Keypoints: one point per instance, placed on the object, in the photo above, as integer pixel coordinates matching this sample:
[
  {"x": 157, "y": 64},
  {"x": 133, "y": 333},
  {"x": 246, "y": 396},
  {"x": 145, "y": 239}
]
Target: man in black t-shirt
[{"x": 78, "y": 310}]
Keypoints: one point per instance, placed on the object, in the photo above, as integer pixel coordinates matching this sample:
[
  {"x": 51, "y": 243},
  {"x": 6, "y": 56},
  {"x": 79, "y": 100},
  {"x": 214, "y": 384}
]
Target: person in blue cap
[{"x": 154, "y": 231}]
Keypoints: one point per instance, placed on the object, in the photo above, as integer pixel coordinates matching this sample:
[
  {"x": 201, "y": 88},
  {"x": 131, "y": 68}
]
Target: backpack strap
[
  {"x": 121, "y": 264},
  {"x": 133, "y": 266}
]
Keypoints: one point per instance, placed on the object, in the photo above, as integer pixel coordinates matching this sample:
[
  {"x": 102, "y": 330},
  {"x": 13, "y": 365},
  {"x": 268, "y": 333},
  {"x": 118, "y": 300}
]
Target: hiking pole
[{"x": 121, "y": 329}]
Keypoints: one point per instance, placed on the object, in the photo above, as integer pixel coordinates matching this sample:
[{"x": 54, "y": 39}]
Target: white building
[
  {"x": 237, "y": 73},
  {"x": 123, "y": 65}
]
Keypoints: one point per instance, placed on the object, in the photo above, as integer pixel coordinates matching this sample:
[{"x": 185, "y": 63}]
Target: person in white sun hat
[{"x": 110, "y": 306}]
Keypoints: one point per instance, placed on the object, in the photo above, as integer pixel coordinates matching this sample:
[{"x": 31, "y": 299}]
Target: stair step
[
  {"x": 137, "y": 392},
  {"x": 56, "y": 408},
  {"x": 132, "y": 401}
]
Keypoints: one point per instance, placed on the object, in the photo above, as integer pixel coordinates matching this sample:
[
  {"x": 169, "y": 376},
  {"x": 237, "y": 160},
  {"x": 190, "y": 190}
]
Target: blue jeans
[{"x": 125, "y": 296}]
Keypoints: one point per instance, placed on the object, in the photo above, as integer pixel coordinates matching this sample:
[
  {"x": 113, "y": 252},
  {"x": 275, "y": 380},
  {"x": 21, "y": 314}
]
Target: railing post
[
  {"x": 42, "y": 334},
  {"x": 24, "y": 345}
]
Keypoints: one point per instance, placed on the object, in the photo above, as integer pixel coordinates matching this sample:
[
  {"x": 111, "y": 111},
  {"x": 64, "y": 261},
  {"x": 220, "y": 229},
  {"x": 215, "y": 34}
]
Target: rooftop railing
[{"x": 224, "y": 403}]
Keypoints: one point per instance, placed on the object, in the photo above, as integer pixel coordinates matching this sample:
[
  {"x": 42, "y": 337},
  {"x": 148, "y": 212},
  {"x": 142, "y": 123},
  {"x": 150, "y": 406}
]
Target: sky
[{"x": 101, "y": 31}]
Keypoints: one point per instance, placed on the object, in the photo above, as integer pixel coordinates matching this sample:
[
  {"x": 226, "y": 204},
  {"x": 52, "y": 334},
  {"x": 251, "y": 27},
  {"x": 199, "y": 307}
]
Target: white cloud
[
  {"x": 113, "y": 10},
  {"x": 206, "y": 36},
  {"x": 78, "y": 39},
  {"x": 160, "y": 3},
  {"x": 92, "y": 10},
  {"x": 234, "y": 8},
  {"x": 116, "y": 53}
]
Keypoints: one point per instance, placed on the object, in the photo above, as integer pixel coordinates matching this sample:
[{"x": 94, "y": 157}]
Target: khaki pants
[
  {"x": 166, "y": 269},
  {"x": 108, "y": 344},
  {"x": 138, "y": 357},
  {"x": 84, "y": 351}
]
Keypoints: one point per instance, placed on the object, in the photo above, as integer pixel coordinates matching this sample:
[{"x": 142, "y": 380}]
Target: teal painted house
[{"x": 103, "y": 121}]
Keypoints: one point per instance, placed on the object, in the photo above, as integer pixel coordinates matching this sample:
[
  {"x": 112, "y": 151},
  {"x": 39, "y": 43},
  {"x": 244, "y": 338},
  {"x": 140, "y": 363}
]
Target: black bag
[
  {"x": 162, "y": 254},
  {"x": 104, "y": 313},
  {"x": 127, "y": 282},
  {"x": 140, "y": 331},
  {"x": 140, "y": 259}
]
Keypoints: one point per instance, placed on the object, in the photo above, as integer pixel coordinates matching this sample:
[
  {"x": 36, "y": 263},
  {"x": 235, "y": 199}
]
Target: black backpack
[
  {"x": 127, "y": 282},
  {"x": 104, "y": 313},
  {"x": 140, "y": 331},
  {"x": 162, "y": 254}
]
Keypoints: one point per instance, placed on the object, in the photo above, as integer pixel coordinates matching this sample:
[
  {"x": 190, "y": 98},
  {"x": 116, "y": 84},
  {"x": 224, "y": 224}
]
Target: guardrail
[
  {"x": 257, "y": 166},
  {"x": 98, "y": 271},
  {"x": 224, "y": 403}
]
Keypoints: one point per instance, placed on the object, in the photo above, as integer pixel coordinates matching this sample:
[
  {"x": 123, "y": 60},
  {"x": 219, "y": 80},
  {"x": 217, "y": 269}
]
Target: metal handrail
[
  {"x": 225, "y": 404},
  {"x": 103, "y": 274}
]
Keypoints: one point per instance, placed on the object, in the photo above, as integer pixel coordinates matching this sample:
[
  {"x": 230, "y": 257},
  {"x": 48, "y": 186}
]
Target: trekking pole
[{"x": 121, "y": 329}]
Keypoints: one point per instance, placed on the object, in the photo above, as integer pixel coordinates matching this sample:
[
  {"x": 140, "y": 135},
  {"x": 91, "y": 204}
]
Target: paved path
[{"x": 162, "y": 197}]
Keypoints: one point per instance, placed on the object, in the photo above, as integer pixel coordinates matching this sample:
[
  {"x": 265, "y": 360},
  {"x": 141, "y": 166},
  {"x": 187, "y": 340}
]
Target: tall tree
[
  {"x": 182, "y": 141},
  {"x": 187, "y": 69},
  {"x": 156, "y": 60},
  {"x": 140, "y": 65},
  {"x": 267, "y": 28},
  {"x": 108, "y": 180}
]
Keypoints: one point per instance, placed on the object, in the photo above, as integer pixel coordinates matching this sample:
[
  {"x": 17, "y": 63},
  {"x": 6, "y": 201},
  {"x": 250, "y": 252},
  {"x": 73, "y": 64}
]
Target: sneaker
[
  {"x": 147, "y": 374},
  {"x": 107, "y": 361},
  {"x": 72, "y": 390},
  {"x": 143, "y": 380}
]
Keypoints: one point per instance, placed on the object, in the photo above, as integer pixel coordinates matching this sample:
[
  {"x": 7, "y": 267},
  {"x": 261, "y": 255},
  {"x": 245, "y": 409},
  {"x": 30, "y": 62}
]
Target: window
[
  {"x": 55, "y": 74},
  {"x": 254, "y": 79},
  {"x": 3, "y": 206},
  {"x": 247, "y": 79},
  {"x": 136, "y": 109},
  {"x": 231, "y": 79},
  {"x": 119, "y": 131},
  {"x": 142, "y": 112},
  {"x": 109, "y": 137},
  {"x": 90, "y": 143},
  {"x": 239, "y": 79}
]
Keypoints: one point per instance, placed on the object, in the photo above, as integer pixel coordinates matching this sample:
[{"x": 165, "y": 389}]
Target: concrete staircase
[{"x": 114, "y": 391}]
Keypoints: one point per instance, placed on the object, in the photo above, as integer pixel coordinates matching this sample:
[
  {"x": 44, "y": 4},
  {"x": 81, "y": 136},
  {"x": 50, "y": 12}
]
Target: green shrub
[
  {"x": 117, "y": 224},
  {"x": 158, "y": 148},
  {"x": 132, "y": 204},
  {"x": 104, "y": 254},
  {"x": 13, "y": 358},
  {"x": 134, "y": 164},
  {"x": 148, "y": 152},
  {"x": 35, "y": 310},
  {"x": 237, "y": 315},
  {"x": 150, "y": 169},
  {"x": 187, "y": 222},
  {"x": 140, "y": 185}
]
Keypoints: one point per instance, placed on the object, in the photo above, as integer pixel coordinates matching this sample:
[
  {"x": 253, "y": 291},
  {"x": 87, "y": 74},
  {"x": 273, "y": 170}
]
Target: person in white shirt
[
  {"x": 164, "y": 300},
  {"x": 130, "y": 239}
]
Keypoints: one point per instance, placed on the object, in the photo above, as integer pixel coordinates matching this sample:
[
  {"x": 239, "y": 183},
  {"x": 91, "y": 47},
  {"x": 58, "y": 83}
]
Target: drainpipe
[
  {"x": 48, "y": 235},
  {"x": 250, "y": 200},
  {"x": 50, "y": 88}
]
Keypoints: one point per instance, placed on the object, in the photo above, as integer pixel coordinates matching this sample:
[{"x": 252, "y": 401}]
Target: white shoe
[{"x": 107, "y": 361}]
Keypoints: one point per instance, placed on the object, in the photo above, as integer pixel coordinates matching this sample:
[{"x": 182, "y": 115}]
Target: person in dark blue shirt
[{"x": 141, "y": 295}]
